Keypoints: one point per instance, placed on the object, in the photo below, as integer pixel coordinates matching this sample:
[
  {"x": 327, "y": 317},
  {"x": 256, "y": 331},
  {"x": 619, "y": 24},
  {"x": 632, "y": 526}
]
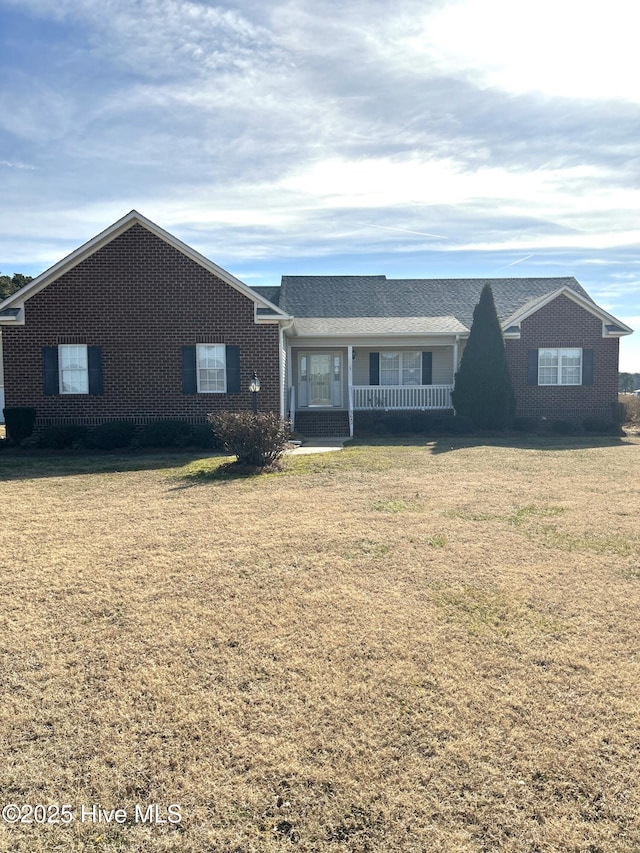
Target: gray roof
[
  {"x": 355, "y": 326},
  {"x": 270, "y": 293},
  {"x": 379, "y": 296}
]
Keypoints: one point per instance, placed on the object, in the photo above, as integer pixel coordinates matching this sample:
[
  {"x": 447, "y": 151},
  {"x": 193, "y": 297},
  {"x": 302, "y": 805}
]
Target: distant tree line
[
  {"x": 10, "y": 283},
  {"x": 628, "y": 382}
]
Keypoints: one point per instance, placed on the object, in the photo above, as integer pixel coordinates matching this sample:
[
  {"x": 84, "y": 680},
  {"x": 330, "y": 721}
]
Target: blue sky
[{"x": 410, "y": 138}]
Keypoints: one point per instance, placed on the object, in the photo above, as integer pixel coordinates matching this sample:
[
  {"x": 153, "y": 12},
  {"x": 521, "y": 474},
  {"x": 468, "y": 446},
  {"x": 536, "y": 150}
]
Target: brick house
[{"x": 137, "y": 325}]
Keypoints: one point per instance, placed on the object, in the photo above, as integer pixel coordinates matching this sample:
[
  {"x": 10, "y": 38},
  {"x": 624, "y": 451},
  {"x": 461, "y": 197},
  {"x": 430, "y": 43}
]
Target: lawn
[{"x": 422, "y": 647}]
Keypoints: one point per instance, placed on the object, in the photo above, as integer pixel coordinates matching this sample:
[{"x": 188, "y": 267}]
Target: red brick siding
[
  {"x": 141, "y": 300},
  {"x": 563, "y": 323}
]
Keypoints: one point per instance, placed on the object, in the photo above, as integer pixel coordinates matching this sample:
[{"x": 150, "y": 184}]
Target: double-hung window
[
  {"x": 73, "y": 368},
  {"x": 400, "y": 368},
  {"x": 211, "y": 369},
  {"x": 560, "y": 367}
]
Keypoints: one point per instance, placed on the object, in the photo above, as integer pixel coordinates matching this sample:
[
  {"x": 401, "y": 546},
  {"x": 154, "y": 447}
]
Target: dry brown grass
[{"x": 411, "y": 648}]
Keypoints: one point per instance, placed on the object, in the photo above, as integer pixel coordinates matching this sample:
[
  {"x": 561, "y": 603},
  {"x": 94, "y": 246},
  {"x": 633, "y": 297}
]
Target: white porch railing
[{"x": 402, "y": 397}]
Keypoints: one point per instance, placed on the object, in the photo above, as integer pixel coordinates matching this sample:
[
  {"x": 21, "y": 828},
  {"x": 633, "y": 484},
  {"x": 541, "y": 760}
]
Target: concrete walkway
[{"x": 318, "y": 445}]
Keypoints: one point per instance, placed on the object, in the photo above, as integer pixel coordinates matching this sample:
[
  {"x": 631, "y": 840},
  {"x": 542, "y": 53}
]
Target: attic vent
[{"x": 72, "y": 339}]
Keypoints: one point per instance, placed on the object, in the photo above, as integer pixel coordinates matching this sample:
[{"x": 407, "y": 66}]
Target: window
[
  {"x": 560, "y": 367},
  {"x": 400, "y": 368},
  {"x": 74, "y": 369},
  {"x": 211, "y": 369}
]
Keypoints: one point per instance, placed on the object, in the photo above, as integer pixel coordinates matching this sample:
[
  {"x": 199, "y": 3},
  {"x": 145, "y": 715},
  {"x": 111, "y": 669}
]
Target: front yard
[{"x": 428, "y": 647}]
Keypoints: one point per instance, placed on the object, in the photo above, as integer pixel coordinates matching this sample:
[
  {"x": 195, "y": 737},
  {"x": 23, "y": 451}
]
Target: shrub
[
  {"x": 112, "y": 435},
  {"x": 595, "y": 425},
  {"x": 19, "y": 422},
  {"x": 630, "y": 405},
  {"x": 257, "y": 440},
  {"x": 202, "y": 437},
  {"x": 525, "y": 425},
  {"x": 168, "y": 433},
  {"x": 64, "y": 436},
  {"x": 422, "y": 422},
  {"x": 459, "y": 425},
  {"x": 563, "y": 427},
  {"x": 398, "y": 423}
]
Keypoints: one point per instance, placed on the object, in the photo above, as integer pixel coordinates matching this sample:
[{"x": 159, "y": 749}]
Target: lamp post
[{"x": 254, "y": 387}]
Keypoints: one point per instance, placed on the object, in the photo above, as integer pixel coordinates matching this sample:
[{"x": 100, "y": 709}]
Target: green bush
[
  {"x": 422, "y": 422},
  {"x": 525, "y": 425},
  {"x": 112, "y": 435},
  {"x": 459, "y": 425},
  {"x": 398, "y": 423},
  {"x": 19, "y": 422},
  {"x": 563, "y": 427},
  {"x": 258, "y": 440},
  {"x": 596, "y": 425},
  {"x": 167, "y": 433},
  {"x": 202, "y": 437},
  {"x": 64, "y": 437}
]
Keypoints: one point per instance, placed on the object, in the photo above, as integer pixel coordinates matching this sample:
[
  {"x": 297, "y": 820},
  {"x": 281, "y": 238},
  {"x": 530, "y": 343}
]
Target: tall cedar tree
[{"x": 483, "y": 390}]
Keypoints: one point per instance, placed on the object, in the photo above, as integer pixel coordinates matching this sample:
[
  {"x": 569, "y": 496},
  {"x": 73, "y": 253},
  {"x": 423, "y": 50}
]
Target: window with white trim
[
  {"x": 560, "y": 367},
  {"x": 211, "y": 371},
  {"x": 400, "y": 368},
  {"x": 73, "y": 367}
]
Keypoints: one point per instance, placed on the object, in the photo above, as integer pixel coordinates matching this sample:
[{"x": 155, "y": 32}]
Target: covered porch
[{"x": 327, "y": 382}]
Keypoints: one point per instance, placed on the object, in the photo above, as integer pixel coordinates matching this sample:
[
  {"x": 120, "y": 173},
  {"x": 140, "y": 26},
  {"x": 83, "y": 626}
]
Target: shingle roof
[
  {"x": 331, "y": 326},
  {"x": 378, "y": 296}
]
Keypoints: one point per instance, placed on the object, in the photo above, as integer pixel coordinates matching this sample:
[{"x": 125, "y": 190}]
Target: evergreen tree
[
  {"x": 483, "y": 390},
  {"x": 9, "y": 284}
]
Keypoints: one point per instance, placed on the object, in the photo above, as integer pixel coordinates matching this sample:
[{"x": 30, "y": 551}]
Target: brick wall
[
  {"x": 563, "y": 323},
  {"x": 141, "y": 300}
]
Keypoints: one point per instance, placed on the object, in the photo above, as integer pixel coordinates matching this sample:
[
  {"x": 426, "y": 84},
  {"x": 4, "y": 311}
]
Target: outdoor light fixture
[{"x": 254, "y": 387}]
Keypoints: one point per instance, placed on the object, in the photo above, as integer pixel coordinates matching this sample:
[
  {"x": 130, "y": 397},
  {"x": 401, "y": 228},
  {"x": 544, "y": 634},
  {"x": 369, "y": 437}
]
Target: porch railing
[{"x": 402, "y": 397}]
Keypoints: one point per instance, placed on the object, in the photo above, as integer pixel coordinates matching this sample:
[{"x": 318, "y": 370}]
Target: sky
[{"x": 411, "y": 138}]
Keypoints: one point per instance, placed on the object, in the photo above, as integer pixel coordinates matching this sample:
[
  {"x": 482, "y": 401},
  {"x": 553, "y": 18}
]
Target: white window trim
[
  {"x": 401, "y": 353},
  {"x": 61, "y": 347},
  {"x": 224, "y": 369},
  {"x": 560, "y": 351}
]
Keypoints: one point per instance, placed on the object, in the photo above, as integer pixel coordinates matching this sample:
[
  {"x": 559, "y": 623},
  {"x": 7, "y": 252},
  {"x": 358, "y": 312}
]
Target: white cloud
[{"x": 572, "y": 48}]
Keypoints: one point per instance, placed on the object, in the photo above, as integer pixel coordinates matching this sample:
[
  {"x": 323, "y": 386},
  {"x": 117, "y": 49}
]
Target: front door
[{"x": 320, "y": 379}]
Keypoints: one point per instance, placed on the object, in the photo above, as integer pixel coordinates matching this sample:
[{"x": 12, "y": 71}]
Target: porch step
[{"x": 322, "y": 424}]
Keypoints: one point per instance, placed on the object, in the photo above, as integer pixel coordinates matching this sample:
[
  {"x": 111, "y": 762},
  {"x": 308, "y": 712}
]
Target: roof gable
[
  {"x": 17, "y": 299},
  {"x": 611, "y": 326}
]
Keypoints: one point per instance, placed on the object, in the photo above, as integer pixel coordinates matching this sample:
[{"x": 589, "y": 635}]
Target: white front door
[{"x": 320, "y": 379}]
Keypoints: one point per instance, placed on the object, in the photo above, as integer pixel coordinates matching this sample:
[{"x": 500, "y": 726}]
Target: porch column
[
  {"x": 289, "y": 383},
  {"x": 350, "y": 387},
  {"x": 455, "y": 358}
]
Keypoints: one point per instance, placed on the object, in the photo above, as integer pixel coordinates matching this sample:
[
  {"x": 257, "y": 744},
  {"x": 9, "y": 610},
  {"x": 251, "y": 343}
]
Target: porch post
[
  {"x": 455, "y": 358},
  {"x": 350, "y": 387}
]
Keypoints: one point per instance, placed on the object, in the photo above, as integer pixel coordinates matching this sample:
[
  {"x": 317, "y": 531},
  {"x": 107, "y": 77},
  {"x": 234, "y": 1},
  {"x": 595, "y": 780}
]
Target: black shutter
[
  {"x": 233, "y": 369},
  {"x": 94, "y": 360},
  {"x": 427, "y": 368},
  {"x": 532, "y": 367},
  {"x": 189, "y": 381},
  {"x": 374, "y": 368},
  {"x": 50, "y": 378},
  {"x": 587, "y": 367}
]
